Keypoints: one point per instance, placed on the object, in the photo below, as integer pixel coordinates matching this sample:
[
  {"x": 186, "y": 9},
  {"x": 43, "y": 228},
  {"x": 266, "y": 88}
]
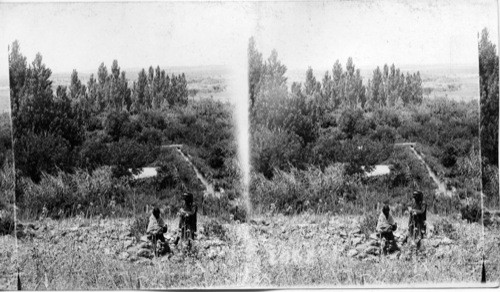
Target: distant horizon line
[{"x": 289, "y": 68}]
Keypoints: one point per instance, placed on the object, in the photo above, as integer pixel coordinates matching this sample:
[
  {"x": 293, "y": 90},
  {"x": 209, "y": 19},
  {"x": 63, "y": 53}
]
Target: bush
[
  {"x": 368, "y": 223},
  {"x": 69, "y": 194},
  {"x": 48, "y": 153},
  {"x": 445, "y": 228},
  {"x": 7, "y": 223},
  {"x": 214, "y": 228},
  {"x": 304, "y": 190},
  {"x": 471, "y": 212},
  {"x": 152, "y": 119},
  {"x": 119, "y": 124},
  {"x": 139, "y": 226}
]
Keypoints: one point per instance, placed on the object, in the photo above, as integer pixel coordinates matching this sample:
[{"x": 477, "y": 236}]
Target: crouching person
[
  {"x": 156, "y": 229},
  {"x": 385, "y": 227}
]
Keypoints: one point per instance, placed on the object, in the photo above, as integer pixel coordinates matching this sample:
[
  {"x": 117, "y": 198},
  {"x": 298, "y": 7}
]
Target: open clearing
[{"x": 270, "y": 251}]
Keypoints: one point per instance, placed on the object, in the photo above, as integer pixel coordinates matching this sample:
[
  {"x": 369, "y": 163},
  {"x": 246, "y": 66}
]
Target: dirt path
[
  {"x": 441, "y": 185},
  {"x": 209, "y": 188}
]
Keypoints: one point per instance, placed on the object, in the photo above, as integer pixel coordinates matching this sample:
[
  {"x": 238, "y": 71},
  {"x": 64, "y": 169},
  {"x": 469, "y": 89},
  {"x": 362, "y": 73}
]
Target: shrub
[
  {"x": 471, "y": 212},
  {"x": 119, "y": 124},
  {"x": 445, "y": 227},
  {"x": 214, "y": 228},
  {"x": 368, "y": 223},
  {"x": 139, "y": 226},
  {"x": 48, "y": 153},
  {"x": 152, "y": 119},
  {"x": 69, "y": 194},
  {"x": 7, "y": 223}
]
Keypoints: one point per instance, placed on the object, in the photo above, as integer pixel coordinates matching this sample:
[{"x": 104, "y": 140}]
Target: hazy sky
[
  {"x": 403, "y": 32},
  {"x": 82, "y": 35}
]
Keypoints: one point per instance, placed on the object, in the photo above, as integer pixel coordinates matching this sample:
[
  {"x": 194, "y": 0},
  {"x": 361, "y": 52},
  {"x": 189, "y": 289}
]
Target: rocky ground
[
  {"x": 272, "y": 251},
  {"x": 8, "y": 262},
  {"x": 320, "y": 250},
  {"x": 90, "y": 254}
]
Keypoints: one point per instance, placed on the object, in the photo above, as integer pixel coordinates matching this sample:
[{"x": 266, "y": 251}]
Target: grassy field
[
  {"x": 86, "y": 254},
  {"x": 8, "y": 260},
  {"x": 312, "y": 250},
  {"x": 271, "y": 251}
]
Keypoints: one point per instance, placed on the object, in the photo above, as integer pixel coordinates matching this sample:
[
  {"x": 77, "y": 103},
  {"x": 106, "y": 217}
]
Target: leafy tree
[
  {"x": 488, "y": 81},
  {"x": 255, "y": 70},
  {"x": 93, "y": 93},
  {"x": 17, "y": 74},
  {"x": 102, "y": 77},
  {"x": 140, "y": 90},
  {"x": 76, "y": 88},
  {"x": 338, "y": 84},
  {"x": 311, "y": 85},
  {"x": 273, "y": 82},
  {"x": 377, "y": 88}
]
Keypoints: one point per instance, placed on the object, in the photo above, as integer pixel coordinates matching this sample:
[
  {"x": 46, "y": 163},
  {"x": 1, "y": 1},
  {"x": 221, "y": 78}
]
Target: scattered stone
[
  {"x": 343, "y": 234},
  {"x": 125, "y": 235},
  {"x": 356, "y": 230},
  {"x": 442, "y": 253},
  {"x": 145, "y": 253},
  {"x": 352, "y": 252},
  {"x": 446, "y": 241},
  {"x": 212, "y": 254},
  {"x": 394, "y": 256},
  {"x": 144, "y": 238},
  {"x": 128, "y": 244},
  {"x": 372, "y": 250},
  {"x": 433, "y": 242},
  {"x": 107, "y": 251},
  {"x": 144, "y": 261},
  {"x": 372, "y": 258},
  {"x": 374, "y": 236},
  {"x": 124, "y": 255},
  {"x": 356, "y": 240},
  {"x": 144, "y": 245},
  {"x": 84, "y": 224}
]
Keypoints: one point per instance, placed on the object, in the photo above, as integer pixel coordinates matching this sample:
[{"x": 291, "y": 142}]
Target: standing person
[
  {"x": 156, "y": 228},
  {"x": 418, "y": 216},
  {"x": 385, "y": 226},
  {"x": 187, "y": 218}
]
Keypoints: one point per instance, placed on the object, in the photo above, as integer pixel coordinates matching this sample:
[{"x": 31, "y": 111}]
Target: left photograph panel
[
  {"x": 7, "y": 183},
  {"x": 125, "y": 145}
]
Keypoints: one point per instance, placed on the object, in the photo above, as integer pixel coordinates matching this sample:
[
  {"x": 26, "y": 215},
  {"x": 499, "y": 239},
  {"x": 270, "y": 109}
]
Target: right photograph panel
[{"x": 374, "y": 144}]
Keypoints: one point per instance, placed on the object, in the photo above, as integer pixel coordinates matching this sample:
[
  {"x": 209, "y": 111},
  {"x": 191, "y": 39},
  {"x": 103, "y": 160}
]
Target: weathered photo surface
[
  {"x": 248, "y": 144},
  {"x": 7, "y": 181},
  {"x": 127, "y": 166},
  {"x": 365, "y": 150}
]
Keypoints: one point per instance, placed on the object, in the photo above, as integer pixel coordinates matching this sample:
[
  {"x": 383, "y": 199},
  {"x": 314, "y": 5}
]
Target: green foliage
[
  {"x": 5, "y": 138},
  {"x": 488, "y": 76},
  {"x": 304, "y": 190},
  {"x": 368, "y": 222},
  {"x": 66, "y": 194},
  {"x": 139, "y": 226},
  {"x": 488, "y": 82},
  {"x": 471, "y": 211},
  {"x": 444, "y": 227},
  {"x": 214, "y": 228}
]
